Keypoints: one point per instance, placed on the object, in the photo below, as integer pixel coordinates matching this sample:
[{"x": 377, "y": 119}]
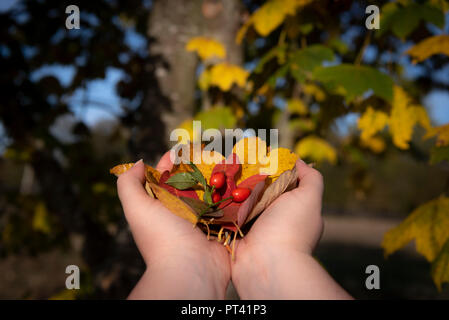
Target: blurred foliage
[{"x": 306, "y": 66}]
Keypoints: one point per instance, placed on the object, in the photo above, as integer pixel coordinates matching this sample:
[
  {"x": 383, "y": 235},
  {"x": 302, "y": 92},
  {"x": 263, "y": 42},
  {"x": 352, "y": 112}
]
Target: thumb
[
  {"x": 310, "y": 183},
  {"x": 132, "y": 193}
]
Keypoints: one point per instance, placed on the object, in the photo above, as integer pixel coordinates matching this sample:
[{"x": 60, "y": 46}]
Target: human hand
[
  {"x": 274, "y": 260},
  {"x": 181, "y": 263}
]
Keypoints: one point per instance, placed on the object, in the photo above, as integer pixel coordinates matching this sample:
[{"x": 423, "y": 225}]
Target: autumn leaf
[
  {"x": 404, "y": 115},
  {"x": 371, "y": 122},
  {"x": 174, "y": 204},
  {"x": 296, "y": 106},
  {"x": 442, "y": 133},
  {"x": 270, "y": 15},
  {"x": 428, "y": 225},
  {"x": 314, "y": 91},
  {"x": 206, "y": 48},
  {"x": 440, "y": 267},
  {"x": 316, "y": 149},
  {"x": 375, "y": 144},
  {"x": 280, "y": 160},
  {"x": 286, "y": 181},
  {"x": 429, "y": 47},
  {"x": 224, "y": 75}
]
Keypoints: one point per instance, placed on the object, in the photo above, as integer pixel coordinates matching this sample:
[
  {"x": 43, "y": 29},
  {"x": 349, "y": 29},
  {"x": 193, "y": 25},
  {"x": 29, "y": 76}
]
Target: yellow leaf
[
  {"x": 270, "y": 15},
  {"x": 316, "y": 149},
  {"x": 224, "y": 75},
  {"x": 371, "y": 122},
  {"x": 281, "y": 159},
  {"x": 428, "y": 225},
  {"x": 403, "y": 118},
  {"x": 442, "y": 133},
  {"x": 375, "y": 144},
  {"x": 174, "y": 204},
  {"x": 41, "y": 219},
  {"x": 296, "y": 106},
  {"x": 440, "y": 267},
  {"x": 206, "y": 48},
  {"x": 204, "y": 80},
  {"x": 314, "y": 91},
  {"x": 428, "y": 47},
  {"x": 122, "y": 168}
]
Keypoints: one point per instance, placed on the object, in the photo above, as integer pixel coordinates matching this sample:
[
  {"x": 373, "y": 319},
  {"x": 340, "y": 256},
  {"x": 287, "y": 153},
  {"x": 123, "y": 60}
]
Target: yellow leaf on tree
[
  {"x": 440, "y": 267},
  {"x": 403, "y": 118},
  {"x": 270, "y": 15},
  {"x": 204, "y": 80},
  {"x": 442, "y": 133},
  {"x": 296, "y": 106},
  {"x": 224, "y": 75},
  {"x": 375, "y": 144},
  {"x": 206, "y": 48},
  {"x": 428, "y": 47},
  {"x": 41, "y": 219},
  {"x": 371, "y": 122},
  {"x": 314, "y": 91},
  {"x": 316, "y": 149},
  {"x": 428, "y": 225}
]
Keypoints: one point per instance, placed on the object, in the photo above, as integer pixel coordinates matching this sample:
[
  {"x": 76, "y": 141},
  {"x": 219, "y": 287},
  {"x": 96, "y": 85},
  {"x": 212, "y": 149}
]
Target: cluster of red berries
[{"x": 218, "y": 180}]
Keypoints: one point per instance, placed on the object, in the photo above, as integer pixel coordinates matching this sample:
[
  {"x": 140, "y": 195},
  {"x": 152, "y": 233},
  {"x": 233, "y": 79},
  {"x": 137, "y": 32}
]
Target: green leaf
[
  {"x": 218, "y": 117},
  {"x": 197, "y": 175},
  {"x": 304, "y": 61},
  {"x": 404, "y": 20},
  {"x": 440, "y": 267},
  {"x": 355, "y": 80},
  {"x": 439, "y": 154},
  {"x": 182, "y": 181}
]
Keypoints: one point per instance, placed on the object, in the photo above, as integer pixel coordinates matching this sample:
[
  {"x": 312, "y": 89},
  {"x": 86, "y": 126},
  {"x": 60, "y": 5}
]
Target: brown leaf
[
  {"x": 174, "y": 204},
  {"x": 122, "y": 168},
  {"x": 286, "y": 181}
]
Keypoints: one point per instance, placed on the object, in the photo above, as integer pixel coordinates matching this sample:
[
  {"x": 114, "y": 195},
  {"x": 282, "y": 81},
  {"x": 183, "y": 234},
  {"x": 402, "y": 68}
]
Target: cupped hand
[
  {"x": 181, "y": 263},
  {"x": 274, "y": 260}
]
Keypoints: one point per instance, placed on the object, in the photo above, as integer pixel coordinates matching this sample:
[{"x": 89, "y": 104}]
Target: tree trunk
[{"x": 172, "y": 23}]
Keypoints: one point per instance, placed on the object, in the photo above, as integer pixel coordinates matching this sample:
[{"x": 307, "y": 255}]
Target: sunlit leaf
[
  {"x": 375, "y": 144},
  {"x": 428, "y": 225},
  {"x": 371, "y": 122},
  {"x": 296, "y": 106},
  {"x": 206, "y": 48},
  {"x": 440, "y": 267},
  {"x": 442, "y": 134},
  {"x": 430, "y": 46},
  {"x": 316, "y": 149},
  {"x": 355, "y": 80},
  {"x": 41, "y": 219},
  {"x": 224, "y": 75},
  {"x": 404, "y": 116}
]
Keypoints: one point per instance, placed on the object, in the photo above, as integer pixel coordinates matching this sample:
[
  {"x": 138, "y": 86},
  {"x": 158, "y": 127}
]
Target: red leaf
[
  {"x": 252, "y": 181},
  {"x": 179, "y": 193},
  {"x": 238, "y": 212}
]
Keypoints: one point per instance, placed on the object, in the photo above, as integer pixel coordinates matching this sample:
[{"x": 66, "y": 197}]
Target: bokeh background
[{"x": 74, "y": 103}]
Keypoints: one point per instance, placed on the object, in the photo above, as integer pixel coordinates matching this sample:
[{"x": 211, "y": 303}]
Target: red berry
[
  {"x": 216, "y": 197},
  {"x": 240, "y": 194},
  {"x": 217, "y": 180}
]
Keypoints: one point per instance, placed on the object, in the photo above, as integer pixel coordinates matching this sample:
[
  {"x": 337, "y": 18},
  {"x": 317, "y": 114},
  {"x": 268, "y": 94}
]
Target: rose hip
[
  {"x": 217, "y": 180},
  {"x": 216, "y": 197},
  {"x": 240, "y": 194}
]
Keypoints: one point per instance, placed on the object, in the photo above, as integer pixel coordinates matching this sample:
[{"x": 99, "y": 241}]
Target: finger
[
  {"x": 165, "y": 163},
  {"x": 130, "y": 187},
  {"x": 309, "y": 178}
]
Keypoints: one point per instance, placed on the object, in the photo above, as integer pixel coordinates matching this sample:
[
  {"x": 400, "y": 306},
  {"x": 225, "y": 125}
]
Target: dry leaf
[
  {"x": 286, "y": 181},
  {"x": 174, "y": 204}
]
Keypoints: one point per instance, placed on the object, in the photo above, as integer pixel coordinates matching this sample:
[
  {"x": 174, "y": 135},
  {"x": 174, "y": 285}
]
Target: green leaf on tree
[{"x": 353, "y": 81}]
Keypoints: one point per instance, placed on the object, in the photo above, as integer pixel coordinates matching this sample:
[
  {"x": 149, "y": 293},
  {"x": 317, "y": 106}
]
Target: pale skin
[{"x": 273, "y": 261}]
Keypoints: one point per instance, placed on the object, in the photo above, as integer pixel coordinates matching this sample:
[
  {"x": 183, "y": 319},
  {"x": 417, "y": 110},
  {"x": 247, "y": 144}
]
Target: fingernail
[{"x": 141, "y": 160}]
